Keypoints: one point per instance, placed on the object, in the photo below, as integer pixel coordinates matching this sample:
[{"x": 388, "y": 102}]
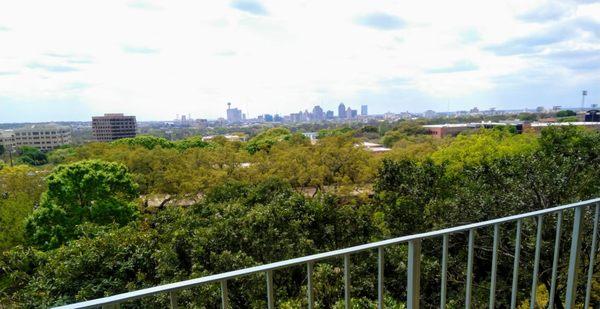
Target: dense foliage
[
  {"x": 84, "y": 192},
  {"x": 32, "y": 156},
  {"x": 566, "y": 113},
  {"x": 229, "y": 205}
]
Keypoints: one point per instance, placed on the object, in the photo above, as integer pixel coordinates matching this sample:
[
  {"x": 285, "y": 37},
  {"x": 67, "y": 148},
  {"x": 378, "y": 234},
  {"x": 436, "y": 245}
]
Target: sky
[{"x": 66, "y": 60}]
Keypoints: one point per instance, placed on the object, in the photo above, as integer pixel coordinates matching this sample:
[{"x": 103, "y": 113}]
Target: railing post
[
  {"x": 173, "y": 299},
  {"x": 270, "y": 296},
  {"x": 515, "y": 281},
  {"x": 536, "y": 263},
  {"x": 224, "y": 295},
  {"x": 593, "y": 253},
  {"x": 380, "y": 262},
  {"x": 444, "y": 271},
  {"x": 414, "y": 274},
  {"x": 309, "y": 288},
  {"x": 347, "y": 281},
  {"x": 574, "y": 258},
  {"x": 555, "y": 259},
  {"x": 470, "y": 269},
  {"x": 494, "y": 266}
]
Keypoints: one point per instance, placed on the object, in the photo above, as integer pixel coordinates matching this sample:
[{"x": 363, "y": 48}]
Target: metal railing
[{"x": 414, "y": 261}]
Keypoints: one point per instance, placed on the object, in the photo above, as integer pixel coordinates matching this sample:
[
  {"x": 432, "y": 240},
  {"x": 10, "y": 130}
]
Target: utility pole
[{"x": 10, "y": 155}]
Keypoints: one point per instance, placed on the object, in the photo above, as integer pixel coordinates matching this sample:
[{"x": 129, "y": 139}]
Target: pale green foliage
[
  {"x": 265, "y": 140},
  {"x": 484, "y": 146},
  {"x": 20, "y": 189}
]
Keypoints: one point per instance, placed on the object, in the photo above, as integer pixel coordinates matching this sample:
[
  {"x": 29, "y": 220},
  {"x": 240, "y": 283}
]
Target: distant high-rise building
[
  {"x": 268, "y": 118},
  {"x": 329, "y": 115},
  {"x": 112, "y": 127},
  {"x": 234, "y": 114},
  {"x": 364, "y": 110},
  {"x": 349, "y": 112},
  {"x": 306, "y": 116},
  {"x": 317, "y": 113},
  {"x": 342, "y": 111},
  {"x": 296, "y": 117}
]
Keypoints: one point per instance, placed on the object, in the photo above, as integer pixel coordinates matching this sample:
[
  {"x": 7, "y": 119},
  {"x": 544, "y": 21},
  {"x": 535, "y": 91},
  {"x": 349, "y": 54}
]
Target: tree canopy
[
  {"x": 88, "y": 191},
  {"x": 32, "y": 156},
  {"x": 91, "y": 235},
  {"x": 566, "y": 113}
]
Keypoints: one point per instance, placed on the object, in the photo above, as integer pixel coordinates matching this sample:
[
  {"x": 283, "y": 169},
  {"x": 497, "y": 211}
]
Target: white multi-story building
[{"x": 42, "y": 136}]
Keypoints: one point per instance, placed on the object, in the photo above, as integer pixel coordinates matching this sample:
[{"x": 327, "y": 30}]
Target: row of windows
[
  {"x": 41, "y": 137},
  {"x": 40, "y": 133}
]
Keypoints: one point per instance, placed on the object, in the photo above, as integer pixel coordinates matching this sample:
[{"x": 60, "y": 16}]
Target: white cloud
[{"x": 156, "y": 59}]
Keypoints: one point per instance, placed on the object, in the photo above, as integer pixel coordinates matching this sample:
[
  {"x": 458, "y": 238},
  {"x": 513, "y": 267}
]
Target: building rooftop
[
  {"x": 465, "y": 125},
  {"x": 42, "y": 127},
  {"x": 577, "y": 123}
]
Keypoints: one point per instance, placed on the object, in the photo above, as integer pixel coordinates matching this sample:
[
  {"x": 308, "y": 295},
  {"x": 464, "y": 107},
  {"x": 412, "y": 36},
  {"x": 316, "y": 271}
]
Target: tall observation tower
[{"x": 234, "y": 115}]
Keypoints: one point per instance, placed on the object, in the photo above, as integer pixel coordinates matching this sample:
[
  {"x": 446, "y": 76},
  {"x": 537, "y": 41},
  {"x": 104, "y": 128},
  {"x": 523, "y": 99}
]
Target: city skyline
[{"x": 157, "y": 59}]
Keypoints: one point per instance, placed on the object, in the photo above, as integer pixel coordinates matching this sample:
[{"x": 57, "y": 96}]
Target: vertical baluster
[
  {"x": 380, "y": 262},
  {"x": 469, "y": 269},
  {"x": 588, "y": 289},
  {"x": 270, "y": 294},
  {"x": 224, "y": 295},
  {"x": 494, "y": 265},
  {"x": 444, "y": 271},
  {"x": 347, "y": 281},
  {"x": 574, "y": 258},
  {"x": 414, "y": 274},
  {"x": 515, "y": 281},
  {"x": 536, "y": 263},
  {"x": 559, "y": 219},
  {"x": 173, "y": 299},
  {"x": 309, "y": 288}
]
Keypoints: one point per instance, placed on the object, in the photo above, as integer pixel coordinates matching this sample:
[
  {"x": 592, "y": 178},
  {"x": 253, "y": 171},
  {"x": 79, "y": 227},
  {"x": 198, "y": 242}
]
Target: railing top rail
[{"x": 119, "y": 298}]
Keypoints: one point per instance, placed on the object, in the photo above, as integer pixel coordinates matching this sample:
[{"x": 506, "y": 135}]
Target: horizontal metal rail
[{"x": 268, "y": 268}]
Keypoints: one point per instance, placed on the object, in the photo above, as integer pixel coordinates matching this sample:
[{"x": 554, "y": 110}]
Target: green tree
[
  {"x": 88, "y": 191},
  {"x": 527, "y": 117},
  {"x": 20, "y": 190},
  {"x": 566, "y": 113},
  {"x": 192, "y": 142},
  {"x": 32, "y": 156},
  {"x": 483, "y": 145},
  {"x": 61, "y": 155},
  {"x": 146, "y": 141},
  {"x": 265, "y": 140}
]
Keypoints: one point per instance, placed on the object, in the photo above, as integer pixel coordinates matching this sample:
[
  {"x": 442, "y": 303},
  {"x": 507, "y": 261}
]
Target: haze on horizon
[{"x": 70, "y": 59}]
